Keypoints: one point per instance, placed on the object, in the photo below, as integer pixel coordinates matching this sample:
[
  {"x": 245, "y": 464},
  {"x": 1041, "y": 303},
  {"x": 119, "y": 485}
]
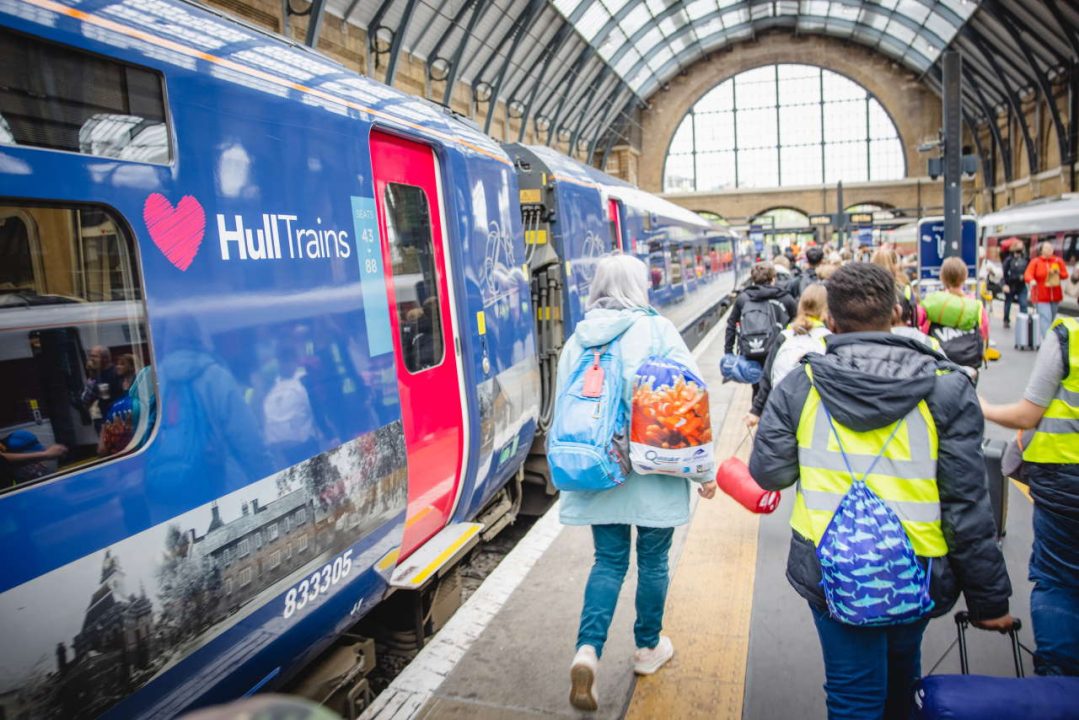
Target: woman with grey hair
[{"x": 618, "y": 309}]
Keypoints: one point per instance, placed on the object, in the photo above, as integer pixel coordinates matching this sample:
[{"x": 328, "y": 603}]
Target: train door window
[
  {"x": 76, "y": 385},
  {"x": 60, "y": 98},
  {"x": 415, "y": 279}
]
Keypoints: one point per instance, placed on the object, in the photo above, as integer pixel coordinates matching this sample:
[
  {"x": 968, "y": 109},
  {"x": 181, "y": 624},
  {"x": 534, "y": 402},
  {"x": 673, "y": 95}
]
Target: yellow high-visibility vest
[
  {"x": 905, "y": 477},
  {"x": 1057, "y": 440}
]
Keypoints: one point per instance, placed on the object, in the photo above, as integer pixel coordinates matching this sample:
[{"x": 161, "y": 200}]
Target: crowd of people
[{"x": 865, "y": 401}]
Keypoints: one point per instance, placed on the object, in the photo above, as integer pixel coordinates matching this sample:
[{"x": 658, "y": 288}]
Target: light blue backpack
[{"x": 588, "y": 442}]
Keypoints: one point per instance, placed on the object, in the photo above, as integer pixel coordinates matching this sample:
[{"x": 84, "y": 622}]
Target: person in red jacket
[{"x": 1046, "y": 271}]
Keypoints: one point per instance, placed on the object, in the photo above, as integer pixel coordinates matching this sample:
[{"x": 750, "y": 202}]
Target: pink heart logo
[{"x": 177, "y": 231}]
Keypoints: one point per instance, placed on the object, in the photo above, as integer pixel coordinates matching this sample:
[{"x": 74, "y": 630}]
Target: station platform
[{"x": 745, "y": 645}]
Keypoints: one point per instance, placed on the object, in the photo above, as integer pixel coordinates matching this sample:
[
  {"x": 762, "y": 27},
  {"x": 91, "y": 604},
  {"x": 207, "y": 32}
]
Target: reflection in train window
[
  {"x": 657, "y": 266},
  {"x": 415, "y": 278},
  {"x": 676, "y": 267},
  {"x": 62, "y": 99},
  {"x": 76, "y": 384}
]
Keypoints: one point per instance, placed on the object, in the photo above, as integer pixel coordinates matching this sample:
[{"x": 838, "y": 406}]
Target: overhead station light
[
  {"x": 439, "y": 69},
  {"x": 483, "y": 92}
]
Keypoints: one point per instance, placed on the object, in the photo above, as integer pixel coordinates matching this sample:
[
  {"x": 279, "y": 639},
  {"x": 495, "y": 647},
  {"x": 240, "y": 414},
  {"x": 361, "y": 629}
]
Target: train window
[
  {"x": 63, "y": 99},
  {"x": 76, "y": 385},
  {"x": 415, "y": 278}
]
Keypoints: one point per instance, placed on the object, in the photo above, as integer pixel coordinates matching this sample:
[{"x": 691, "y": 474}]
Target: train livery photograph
[{"x": 276, "y": 342}]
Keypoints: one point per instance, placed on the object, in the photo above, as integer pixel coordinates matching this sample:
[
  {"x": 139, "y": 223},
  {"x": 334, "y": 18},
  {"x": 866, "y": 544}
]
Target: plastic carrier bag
[
  {"x": 869, "y": 571},
  {"x": 586, "y": 445},
  {"x": 671, "y": 429}
]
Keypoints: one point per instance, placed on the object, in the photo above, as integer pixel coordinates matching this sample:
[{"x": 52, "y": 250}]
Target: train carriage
[{"x": 323, "y": 283}]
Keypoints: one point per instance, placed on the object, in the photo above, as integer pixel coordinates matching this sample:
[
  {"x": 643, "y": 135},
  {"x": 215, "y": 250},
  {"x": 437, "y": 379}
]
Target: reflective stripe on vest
[
  {"x": 905, "y": 477},
  {"x": 1057, "y": 440}
]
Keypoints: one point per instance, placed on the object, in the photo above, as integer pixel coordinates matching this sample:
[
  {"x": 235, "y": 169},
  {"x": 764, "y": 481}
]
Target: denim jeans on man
[
  {"x": 1054, "y": 601},
  {"x": 1018, "y": 296},
  {"x": 605, "y": 582},
  {"x": 869, "y": 671},
  {"x": 1047, "y": 313}
]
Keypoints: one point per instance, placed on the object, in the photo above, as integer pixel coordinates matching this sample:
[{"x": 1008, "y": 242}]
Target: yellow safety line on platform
[{"x": 708, "y": 605}]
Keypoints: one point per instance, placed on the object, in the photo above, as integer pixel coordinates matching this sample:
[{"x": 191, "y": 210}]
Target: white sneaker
[
  {"x": 582, "y": 674},
  {"x": 647, "y": 660}
]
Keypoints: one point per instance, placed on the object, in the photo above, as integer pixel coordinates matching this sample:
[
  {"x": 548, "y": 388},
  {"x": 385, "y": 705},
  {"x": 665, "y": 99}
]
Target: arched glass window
[{"x": 783, "y": 125}]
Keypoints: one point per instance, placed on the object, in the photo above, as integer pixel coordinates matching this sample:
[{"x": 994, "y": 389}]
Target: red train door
[
  {"x": 409, "y": 201},
  {"x": 616, "y": 223}
]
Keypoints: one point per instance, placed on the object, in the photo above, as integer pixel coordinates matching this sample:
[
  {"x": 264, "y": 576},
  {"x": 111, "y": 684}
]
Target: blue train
[{"x": 276, "y": 341}]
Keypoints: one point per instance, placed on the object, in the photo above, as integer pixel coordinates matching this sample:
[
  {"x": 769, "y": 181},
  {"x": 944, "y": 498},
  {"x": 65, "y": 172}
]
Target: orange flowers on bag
[{"x": 671, "y": 426}]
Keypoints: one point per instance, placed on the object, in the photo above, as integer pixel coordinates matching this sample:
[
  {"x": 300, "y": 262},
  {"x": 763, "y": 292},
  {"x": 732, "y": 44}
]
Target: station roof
[{"x": 576, "y": 67}]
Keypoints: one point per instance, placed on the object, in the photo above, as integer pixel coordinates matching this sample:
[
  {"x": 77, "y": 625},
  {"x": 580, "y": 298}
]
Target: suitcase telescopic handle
[{"x": 962, "y": 620}]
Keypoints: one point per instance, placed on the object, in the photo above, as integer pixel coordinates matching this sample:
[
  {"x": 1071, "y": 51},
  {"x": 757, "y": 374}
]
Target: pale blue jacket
[{"x": 645, "y": 500}]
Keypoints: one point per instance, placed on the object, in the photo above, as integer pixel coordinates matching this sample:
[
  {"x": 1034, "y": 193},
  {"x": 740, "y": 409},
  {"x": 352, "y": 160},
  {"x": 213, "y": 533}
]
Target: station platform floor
[{"x": 745, "y": 646}]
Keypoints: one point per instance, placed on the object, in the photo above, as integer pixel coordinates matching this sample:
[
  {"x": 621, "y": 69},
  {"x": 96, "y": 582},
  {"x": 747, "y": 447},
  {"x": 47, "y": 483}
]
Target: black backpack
[
  {"x": 1016, "y": 271},
  {"x": 962, "y": 347},
  {"x": 761, "y": 321}
]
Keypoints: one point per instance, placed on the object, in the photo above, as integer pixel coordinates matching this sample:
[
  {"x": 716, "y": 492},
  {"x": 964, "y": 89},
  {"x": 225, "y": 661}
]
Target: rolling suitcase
[
  {"x": 1028, "y": 334},
  {"x": 981, "y": 697},
  {"x": 996, "y": 482}
]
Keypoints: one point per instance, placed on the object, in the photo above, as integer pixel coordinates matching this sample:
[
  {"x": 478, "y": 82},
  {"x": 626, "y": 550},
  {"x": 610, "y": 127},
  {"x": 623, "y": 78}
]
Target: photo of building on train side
[{"x": 139, "y": 612}]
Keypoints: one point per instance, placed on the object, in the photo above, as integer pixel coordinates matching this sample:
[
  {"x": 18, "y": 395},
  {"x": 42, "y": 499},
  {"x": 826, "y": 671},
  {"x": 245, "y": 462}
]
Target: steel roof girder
[
  {"x": 551, "y": 51},
  {"x": 314, "y": 23},
  {"x": 1009, "y": 22},
  {"x": 398, "y": 41},
  {"x": 994, "y": 130},
  {"x": 518, "y": 32},
  {"x": 1013, "y": 98},
  {"x": 612, "y": 102},
  {"x": 455, "y": 23},
  {"x": 557, "y": 119},
  {"x": 478, "y": 9},
  {"x": 1070, "y": 32}
]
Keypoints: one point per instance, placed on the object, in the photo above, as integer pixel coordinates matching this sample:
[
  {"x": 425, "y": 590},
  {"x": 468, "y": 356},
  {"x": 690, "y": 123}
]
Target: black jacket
[
  {"x": 869, "y": 380},
  {"x": 806, "y": 279},
  {"x": 756, "y": 292}
]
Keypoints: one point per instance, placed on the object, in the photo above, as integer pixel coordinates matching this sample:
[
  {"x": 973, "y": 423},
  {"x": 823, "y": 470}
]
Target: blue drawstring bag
[
  {"x": 739, "y": 369},
  {"x": 870, "y": 573}
]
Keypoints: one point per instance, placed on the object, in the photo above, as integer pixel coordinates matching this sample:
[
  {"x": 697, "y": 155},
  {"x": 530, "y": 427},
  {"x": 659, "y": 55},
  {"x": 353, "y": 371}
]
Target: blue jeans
[
  {"x": 1019, "y": 297},
  {"x": 869, "y": 671},
  {"x": 1047, "y": 312},
  {"x": 605, "y": 582},
  {"x": 1054, "y": 601}
]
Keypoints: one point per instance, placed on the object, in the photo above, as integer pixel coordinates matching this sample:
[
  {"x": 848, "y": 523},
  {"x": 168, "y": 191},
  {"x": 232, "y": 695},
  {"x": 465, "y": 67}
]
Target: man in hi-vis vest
[
  {"x": 1050, "y": 405},
  {"x": 886, "y": 419}
]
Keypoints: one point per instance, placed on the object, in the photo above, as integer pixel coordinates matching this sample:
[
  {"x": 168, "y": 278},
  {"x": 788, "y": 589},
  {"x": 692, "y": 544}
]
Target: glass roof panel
[
  {"x": 613, "y": 6},
  {"x": 656, "y": 6},
  {"x": 637, "y": 18},
  {"x": 913, "y": 9},
  {"x": 670, "y": 34},
  {"x": 566, "y": 7},
  {"x": 593, "y": 20},
  {"x": 699, "y": 8},
  {"x": 615, "y": 41},
  {"x": 939, "y": 26}
]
